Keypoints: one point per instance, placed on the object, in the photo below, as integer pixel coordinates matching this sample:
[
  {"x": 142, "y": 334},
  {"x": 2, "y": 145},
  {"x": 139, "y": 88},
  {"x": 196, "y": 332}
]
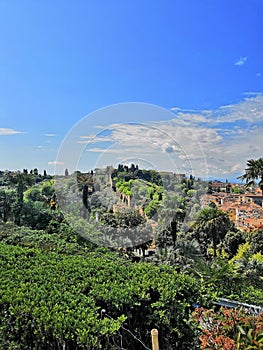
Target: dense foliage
[
  {"x": 50, "y": 300},
  {"x": 61, "y": 290}
]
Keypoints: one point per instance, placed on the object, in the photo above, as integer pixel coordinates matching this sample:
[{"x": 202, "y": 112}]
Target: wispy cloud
[
  {"x": 102, "y": 150},
  {"x": 214, "y": 142},
  {"x": 7, "y": 131},
  {"x": 55, "y": 162},
  {"x": 40, "y": 148},
  {"x": 89, "y": 139},
  {"x": 241, "y": 61},
  {"x": 205, "y": 143},
  {"x": 50, "y": 135},
  {"x": 240, "y": 127},
  {"x": 250, "y": 110}
]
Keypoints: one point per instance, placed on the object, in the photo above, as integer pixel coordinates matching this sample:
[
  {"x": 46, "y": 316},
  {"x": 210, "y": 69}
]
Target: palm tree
[
  {"x": 220, "y": 274},
  {"x": 254, "y": 172},
  {"x": 211, "y": 227}
]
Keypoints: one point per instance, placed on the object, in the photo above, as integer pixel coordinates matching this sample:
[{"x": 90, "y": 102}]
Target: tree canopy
[{"x": 254, "y": 172}]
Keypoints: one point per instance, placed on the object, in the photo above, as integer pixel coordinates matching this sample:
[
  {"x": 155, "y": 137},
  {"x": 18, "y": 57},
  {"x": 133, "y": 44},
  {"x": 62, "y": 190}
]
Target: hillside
[{"x": 96, "y": 260}]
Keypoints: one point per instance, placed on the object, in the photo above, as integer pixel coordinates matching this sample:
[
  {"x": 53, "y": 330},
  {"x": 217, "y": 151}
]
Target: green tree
[
  {"x": 7, "y": 200},
  {"x": 211, "y": 227},
  {"x": 47, "y": 189},
  {"x": 255, "y": 240},
  {"x": 232, "y": 241},
  {"x": 18, "y": 205},
  {"x": 218, "y": 275},
  {"x": 33, "y": 194},
  {"x": 35, "y": 215},
  {"x": 249, "y": 266},
  {"x": 254, "y": 172}
]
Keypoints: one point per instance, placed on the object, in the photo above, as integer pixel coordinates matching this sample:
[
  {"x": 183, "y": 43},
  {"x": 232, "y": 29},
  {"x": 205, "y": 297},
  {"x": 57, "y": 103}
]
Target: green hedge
[{"x": 56, "y": 301}]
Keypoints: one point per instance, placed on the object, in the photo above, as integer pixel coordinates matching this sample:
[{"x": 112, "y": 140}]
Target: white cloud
[
  {"x": 251, "y": 93},
  {"x": 236, "y": 167},
  {"x": 202, "y": 141},
  {"x": 250, "y": 110},
  {"x": 193, "y": 117},
  {"x": 101, "y": 150},
  {"x": 178, "y": 109},
  {"x": 89, "y": 139},
  {"x": 7, "y": 131},
  {"x": 241, "y": 61},
  {"x": 169, "y": 148},
  {"x": 55, "y": 162},
  {"x": 206, "y": 143},
  {"x": 40, "y": 148},
  {"x": 50, "y": 135}
]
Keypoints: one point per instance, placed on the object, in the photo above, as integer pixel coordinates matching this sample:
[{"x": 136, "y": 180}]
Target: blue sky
[{"x": 201, "y": 60}]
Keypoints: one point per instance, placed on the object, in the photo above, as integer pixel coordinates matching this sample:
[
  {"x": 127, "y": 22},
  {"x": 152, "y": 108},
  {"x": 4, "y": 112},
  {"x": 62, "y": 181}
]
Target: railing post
[{"x": 155, "y": 342}]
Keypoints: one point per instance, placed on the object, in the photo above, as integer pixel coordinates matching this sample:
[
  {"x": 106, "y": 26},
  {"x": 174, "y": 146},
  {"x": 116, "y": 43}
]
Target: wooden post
[{"x": 155, "y": 342}]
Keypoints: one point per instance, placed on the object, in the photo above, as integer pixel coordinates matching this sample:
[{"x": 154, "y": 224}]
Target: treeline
[{"x": 133, "y": 172}]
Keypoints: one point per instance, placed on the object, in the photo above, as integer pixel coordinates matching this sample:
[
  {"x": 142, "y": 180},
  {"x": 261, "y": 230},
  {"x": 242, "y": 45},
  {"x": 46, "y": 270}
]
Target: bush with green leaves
[{"x": 93, "y": 300}]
